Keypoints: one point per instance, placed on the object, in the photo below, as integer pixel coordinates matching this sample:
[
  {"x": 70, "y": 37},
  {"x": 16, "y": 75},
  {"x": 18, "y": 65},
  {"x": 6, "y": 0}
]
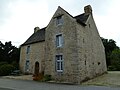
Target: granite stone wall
[
  {"x": 36, "y": 54},
  {"x": 82, "y": 50}
]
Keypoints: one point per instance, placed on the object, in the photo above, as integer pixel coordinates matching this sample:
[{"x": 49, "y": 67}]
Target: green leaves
[
  {"x": 9, "y": 53},
  {"x": 112, "y": 52},
  {"x": 115, "y": 59},
  {"x": 5, "y": 69}
]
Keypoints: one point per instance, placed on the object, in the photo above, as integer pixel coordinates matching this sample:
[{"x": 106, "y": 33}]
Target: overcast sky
[{"x": 19, "y": 17}]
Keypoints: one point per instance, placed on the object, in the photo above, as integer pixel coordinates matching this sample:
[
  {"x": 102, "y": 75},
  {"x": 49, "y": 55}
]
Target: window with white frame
[
  {"x": 59, "y": 63},
  {"x": 59, "y": 40},
  {"x": 28, "y": 49},
  {"x": 59, "y": 20}
]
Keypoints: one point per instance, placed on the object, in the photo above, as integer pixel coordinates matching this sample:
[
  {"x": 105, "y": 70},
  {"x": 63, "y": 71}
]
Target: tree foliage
[
  {"x": 6, "y": 69},
  {"x": 115, "y": 60},
  {"x": 112, "y": 52},
  {"x": 109, "y": 45},
  {"x": 9, "y": 53}
]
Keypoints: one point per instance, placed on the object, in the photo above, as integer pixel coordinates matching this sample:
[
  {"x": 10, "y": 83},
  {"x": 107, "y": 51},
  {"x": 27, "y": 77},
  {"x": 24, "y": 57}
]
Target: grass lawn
[{"x": 112, "y": 78}]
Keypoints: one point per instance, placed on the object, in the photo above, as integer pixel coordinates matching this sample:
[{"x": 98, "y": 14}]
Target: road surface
[{"x": 12, "y": 84}]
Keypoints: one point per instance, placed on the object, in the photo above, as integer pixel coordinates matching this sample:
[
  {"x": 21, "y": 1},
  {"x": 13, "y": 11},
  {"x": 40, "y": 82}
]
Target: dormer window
[{"x": 59, "y": 20}]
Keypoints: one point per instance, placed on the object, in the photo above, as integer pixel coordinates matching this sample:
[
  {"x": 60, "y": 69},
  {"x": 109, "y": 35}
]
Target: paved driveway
[
  {"x": 5, "y": 89},
  {"x": 12, "y": 84}
]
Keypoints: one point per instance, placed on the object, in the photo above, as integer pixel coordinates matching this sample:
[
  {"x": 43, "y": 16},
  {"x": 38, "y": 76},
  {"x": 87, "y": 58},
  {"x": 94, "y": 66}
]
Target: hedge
[{"x": 6, "y": 69}]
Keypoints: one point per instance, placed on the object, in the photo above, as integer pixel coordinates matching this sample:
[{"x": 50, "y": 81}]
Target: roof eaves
[
  {"x": 34, "y": 38},
  {"x": 32, "y": 43}
]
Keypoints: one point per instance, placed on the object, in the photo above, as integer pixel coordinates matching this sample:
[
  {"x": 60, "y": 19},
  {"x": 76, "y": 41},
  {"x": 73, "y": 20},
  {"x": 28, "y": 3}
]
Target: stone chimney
[
  {"x": 36, "y": 29},
  {"x": 88, "y": 9}
]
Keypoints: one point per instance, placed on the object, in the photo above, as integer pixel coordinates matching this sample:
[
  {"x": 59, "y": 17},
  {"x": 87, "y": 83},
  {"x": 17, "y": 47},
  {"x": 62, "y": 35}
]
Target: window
[
  {"x": 59, "y": 63},
  {"x": 89, "y": 25},
  {"x": 98, "y": 63},
  {"x": 27, "y": 66},
  {"x": 28, "y": 49},
  {"x": 59, "y": 20},
  {"x": 59, "y": 40}
]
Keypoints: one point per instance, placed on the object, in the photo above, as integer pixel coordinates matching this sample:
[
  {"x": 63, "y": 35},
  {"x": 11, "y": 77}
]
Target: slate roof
[
  {"x": 82, "y": 18},
  {"x": 38, "y": 36}
]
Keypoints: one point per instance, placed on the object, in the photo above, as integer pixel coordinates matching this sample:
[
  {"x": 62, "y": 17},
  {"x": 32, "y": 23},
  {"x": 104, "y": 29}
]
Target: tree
[
  {"x": 109, "y": 45},
  {"x": 9, "y": 53},
  {"x": 1, "y": 52},
  {"x": 115, "y": 60}
]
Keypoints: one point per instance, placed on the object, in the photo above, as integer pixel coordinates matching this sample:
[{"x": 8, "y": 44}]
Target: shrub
[
  {"x": 6, "y": 69},
  {"x": 2, "y": 63},
  {"x": 47, "y": 78},
  {"x": 15, "y": 64},
  {"x": 42, "y": 78}
]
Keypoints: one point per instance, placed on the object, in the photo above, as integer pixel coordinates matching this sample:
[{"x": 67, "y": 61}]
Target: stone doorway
[{"x": 36, "y": 72}]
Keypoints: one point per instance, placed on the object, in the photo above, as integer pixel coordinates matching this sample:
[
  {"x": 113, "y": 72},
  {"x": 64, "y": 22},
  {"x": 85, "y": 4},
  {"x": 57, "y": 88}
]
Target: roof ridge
[
  {"x": 65, "y": 11},
  {"x": 79, "y": 15}
]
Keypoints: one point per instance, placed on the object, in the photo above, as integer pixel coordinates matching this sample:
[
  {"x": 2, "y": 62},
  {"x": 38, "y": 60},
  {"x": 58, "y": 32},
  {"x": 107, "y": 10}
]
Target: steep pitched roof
[
  {"x": 38, "y": 36},
  {"x": 82, "y": 18},
  {"x": 65, "y": 11}
]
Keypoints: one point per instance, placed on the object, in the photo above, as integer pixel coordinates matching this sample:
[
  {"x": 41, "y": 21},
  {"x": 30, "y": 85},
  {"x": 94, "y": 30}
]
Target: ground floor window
[
  {"x": 59, "y": 63},
  {"x": 27, "y": 66}
]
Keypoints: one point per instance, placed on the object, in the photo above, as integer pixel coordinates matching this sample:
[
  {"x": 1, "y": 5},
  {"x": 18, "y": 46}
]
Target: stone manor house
[{"x": 68, "y": 48}]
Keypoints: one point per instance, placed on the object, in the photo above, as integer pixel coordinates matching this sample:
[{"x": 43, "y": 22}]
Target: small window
[
  {"x": 89, "y": 26},
  {"x": 59, "y": 63},
  {"x": 59, "y": 20},
  {"x": 85, "y": 62},
  {"x": 59, "y": 40},
  {"x": 28, "y": 49},
  {"x": 98, "y": 63},
  {"x": 27, "y": 65}
]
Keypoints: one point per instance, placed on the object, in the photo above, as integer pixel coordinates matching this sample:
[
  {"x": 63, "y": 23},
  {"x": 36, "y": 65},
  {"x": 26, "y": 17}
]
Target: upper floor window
[
  {"x": 59, "y": 63},
  {"x": 59, "y": 20},
  {"x": 59, "y": 40},
  {"x": 28, "y": 49}
]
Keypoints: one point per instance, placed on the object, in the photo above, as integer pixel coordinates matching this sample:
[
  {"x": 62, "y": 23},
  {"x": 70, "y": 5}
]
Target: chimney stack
[
  {"x": 88, "y": 9},
  {"x": 36, "y": 29}
]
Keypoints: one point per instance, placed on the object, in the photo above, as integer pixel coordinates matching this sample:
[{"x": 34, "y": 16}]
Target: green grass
[{"x": 112, "y": 78}]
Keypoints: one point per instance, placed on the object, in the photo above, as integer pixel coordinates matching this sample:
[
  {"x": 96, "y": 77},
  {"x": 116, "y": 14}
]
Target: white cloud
[
  {"x": 108, "y": 25},
  {"x": 25, "y": 16},
  {"x": 21, "y": 16}
]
